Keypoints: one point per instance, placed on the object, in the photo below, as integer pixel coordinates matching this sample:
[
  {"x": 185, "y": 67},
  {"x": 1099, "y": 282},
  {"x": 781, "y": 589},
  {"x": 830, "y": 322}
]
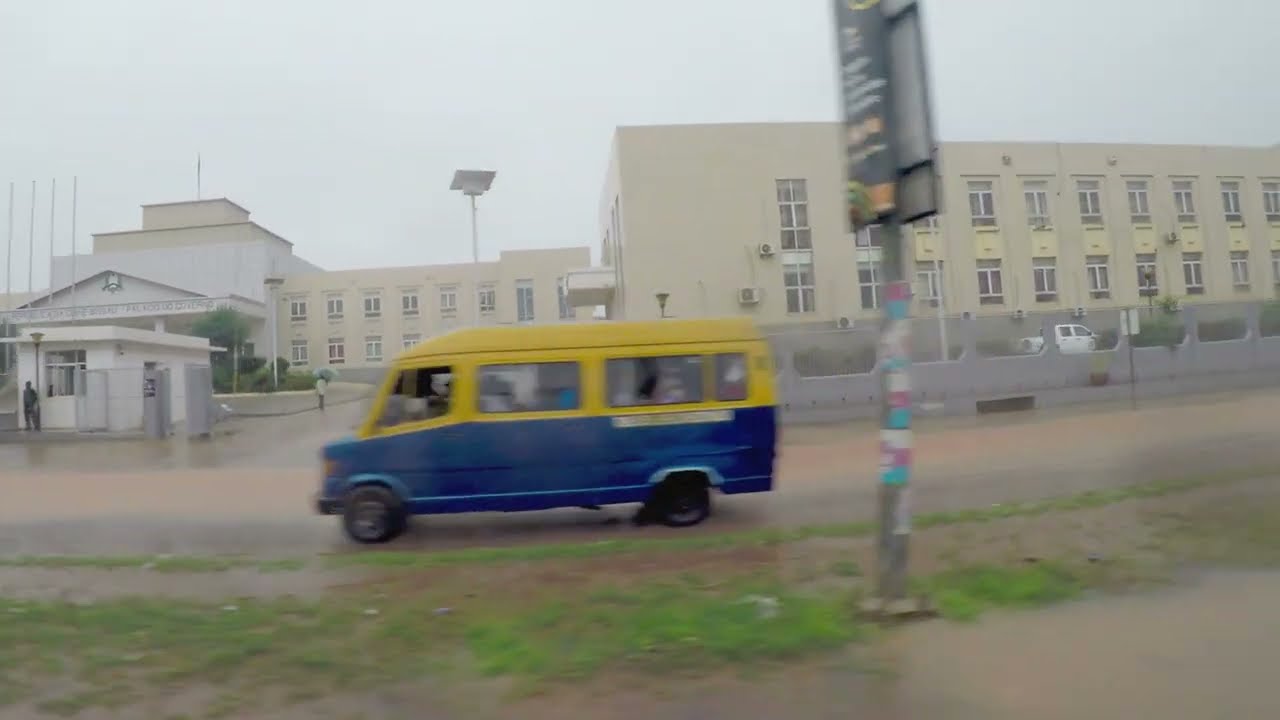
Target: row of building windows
[
  {"x": 300, "y": 351},
  {"x": 1089, "y": 191},
  {"x": 1097, "y": 275},
  {"x": 335, "y": 305},
  {"x": 797, "y": 244}
]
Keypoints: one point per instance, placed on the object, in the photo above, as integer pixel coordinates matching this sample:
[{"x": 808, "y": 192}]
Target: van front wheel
[
  {"x": 372, "y": 514},
  {"x": 682, "y": 501}
]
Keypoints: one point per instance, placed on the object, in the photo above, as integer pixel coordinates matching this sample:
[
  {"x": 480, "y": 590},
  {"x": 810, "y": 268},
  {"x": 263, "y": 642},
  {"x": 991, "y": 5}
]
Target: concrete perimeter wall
[{"x": 830, "y": 375}]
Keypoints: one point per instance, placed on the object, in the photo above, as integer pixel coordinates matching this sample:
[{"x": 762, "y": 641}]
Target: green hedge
[
  {"x": 1271, "y": 319},
  {"x": 1228, "y": 329},
  {"x": 258, "y": 378},
  {"x": 1160, "y": 331}
]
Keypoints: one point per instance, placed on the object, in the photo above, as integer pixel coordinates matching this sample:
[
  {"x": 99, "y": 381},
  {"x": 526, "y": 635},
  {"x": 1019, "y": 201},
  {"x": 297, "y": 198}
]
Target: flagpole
[
  {"x": 8, "y": 258},
  {"x": 197, "y": 176},
  {"x": 31, "y": 244},
  {"x": 8, "y": 283},
  {"x": 75, "y": 184},
  {"x": 53, "y": 201}
]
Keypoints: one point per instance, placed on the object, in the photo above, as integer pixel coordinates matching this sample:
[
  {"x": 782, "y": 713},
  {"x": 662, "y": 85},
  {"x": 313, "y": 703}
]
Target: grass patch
[
  {"x": 663, "y": 628},
  {"x": 158, "y": 563},
  {"x": 965, "y": 593},
  {"x": 114, "y": 652},
  {"x": 252, "y": 650}
]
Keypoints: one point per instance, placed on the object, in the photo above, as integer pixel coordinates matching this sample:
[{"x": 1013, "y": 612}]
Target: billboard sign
[{"x": 884, "y": 89}]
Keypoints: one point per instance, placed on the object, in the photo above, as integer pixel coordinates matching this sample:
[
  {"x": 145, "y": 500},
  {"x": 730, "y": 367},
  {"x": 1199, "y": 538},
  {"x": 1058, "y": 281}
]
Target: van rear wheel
[
  {"x": 373, "y": 514},
  {"x": 682, "y": 501}
]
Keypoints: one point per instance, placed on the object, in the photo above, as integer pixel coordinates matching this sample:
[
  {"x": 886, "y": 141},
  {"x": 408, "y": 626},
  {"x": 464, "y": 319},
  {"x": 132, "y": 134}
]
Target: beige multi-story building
[
  {"x": 189, "y": 258},
  {"x": 365, "y": 317},
  {"x": 750, "y": 218}
]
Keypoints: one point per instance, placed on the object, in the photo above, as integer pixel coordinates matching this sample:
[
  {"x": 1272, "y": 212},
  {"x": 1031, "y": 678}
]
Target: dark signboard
[{"x": 885, "y": 106}]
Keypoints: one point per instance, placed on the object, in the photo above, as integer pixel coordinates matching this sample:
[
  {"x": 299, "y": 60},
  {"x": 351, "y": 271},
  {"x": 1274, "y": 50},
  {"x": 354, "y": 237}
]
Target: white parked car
[{"x": 1071, "y": 339}]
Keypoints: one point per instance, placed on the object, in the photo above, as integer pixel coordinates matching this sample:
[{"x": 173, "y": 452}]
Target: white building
[{"x": 189, "y": 258}]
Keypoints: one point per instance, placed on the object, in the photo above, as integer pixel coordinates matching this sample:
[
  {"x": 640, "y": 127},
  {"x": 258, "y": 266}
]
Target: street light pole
[
  {"x": 889, "y": 154},
  {"x": 473, "y": 184},
  {"x": 36, "y": 337},
  {"x": 273, "y": 320}
]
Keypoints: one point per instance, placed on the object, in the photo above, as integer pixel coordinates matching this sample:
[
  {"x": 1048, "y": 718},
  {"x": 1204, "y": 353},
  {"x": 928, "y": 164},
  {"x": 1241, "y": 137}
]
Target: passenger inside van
[
  {"x": 671, "y": 387},
  {"x": 418, "y": 395},
  {"x": 496, "y": 394}
]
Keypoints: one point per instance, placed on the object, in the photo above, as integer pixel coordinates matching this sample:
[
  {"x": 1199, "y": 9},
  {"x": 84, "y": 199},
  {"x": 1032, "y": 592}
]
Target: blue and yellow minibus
[{"x": 515, "y": 418}]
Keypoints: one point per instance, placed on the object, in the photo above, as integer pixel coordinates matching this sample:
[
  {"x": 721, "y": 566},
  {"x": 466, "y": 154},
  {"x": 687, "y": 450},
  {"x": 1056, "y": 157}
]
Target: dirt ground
[
  {"x": 250, "y": 492},
  {"x": 1183, "y": 629}
]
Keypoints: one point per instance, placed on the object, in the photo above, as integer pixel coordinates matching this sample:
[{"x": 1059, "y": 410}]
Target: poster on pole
[{"x": 884, "y": 88}]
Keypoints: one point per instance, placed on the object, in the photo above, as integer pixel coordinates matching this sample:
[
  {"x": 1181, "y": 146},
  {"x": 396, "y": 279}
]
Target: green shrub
[
  {"x": 1271, "y": 319},
  {"x": 1228, "y": 329},
  {"x": 997, "y": 348},
  {"x": 1163, "y": 330},
  {"x": 298, "y": 381}
]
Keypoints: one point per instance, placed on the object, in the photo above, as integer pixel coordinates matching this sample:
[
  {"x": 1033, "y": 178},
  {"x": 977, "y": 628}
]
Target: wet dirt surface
[
  {"x": 1208, "y": 649},
  {"x": 1203, "y": 646},
  {"x": 250, "y": 491}
]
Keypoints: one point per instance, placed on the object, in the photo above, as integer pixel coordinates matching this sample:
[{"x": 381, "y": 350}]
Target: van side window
[
  {"x": 531, "y": 387},
  {"x": 731, "y": 377},
  {"x": 419, "y": 394},
  {"x": 665, "y": 380}
]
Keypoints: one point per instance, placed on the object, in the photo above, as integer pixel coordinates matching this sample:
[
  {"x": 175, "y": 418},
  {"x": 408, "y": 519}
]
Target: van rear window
[
  {"x": 665, "y": 380},
  {"x": 731, "y": 377}
]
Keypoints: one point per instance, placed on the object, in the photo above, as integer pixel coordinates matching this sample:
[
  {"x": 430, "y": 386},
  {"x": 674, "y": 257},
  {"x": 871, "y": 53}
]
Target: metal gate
[{"x": 91, "y": 400}]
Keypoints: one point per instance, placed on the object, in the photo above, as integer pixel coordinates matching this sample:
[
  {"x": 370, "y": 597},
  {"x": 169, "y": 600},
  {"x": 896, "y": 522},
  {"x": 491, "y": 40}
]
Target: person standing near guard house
[
  {"x": 31, "y": 407},
  {"x": 321, "y": 385}
]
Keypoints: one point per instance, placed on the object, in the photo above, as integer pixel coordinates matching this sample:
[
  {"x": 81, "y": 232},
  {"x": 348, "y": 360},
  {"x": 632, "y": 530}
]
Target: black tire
[
  {"x": 682, "y": 501},
  {"x": 373, "y": 514}
]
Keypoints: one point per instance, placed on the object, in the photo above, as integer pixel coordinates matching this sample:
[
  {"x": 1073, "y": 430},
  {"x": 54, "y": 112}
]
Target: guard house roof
[
  {"x": 586, "y": 335},
  {"x": 110, "y": 333}
]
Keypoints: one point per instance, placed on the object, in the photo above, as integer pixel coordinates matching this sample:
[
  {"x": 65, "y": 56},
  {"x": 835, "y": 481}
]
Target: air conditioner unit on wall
[
  {"x": 748, "y": 295},
  {"x": 844, "y": 323},
  {"x": 1079, "y": 312},
  {"x": 765, "y": 249},
  {"x": 1019, "y": 314}
]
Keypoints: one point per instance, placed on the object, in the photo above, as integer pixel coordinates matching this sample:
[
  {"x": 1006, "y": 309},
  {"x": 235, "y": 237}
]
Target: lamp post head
[
  {"x": 472, "y": 182},
  {"x": 661, "y": 296},
  {"x": 36, "y": 337}
]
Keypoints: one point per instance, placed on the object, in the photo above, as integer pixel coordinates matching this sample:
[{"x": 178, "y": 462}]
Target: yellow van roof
[{"x": 504, "y": 338}]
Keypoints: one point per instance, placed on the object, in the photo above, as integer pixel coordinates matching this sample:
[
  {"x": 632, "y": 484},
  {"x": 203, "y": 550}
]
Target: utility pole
[{"x": 892, "y": 181}]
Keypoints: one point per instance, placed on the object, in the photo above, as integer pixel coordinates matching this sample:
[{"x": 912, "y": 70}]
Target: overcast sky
[{"x": 339, "y": 124}]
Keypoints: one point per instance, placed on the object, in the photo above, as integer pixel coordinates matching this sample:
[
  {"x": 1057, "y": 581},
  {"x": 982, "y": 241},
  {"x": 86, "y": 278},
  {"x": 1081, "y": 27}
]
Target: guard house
[{"x": 98, "y": 378}]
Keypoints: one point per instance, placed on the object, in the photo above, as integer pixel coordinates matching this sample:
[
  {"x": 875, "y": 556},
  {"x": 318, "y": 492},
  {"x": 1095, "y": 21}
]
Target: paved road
[{"x": 249, "y": 492}]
